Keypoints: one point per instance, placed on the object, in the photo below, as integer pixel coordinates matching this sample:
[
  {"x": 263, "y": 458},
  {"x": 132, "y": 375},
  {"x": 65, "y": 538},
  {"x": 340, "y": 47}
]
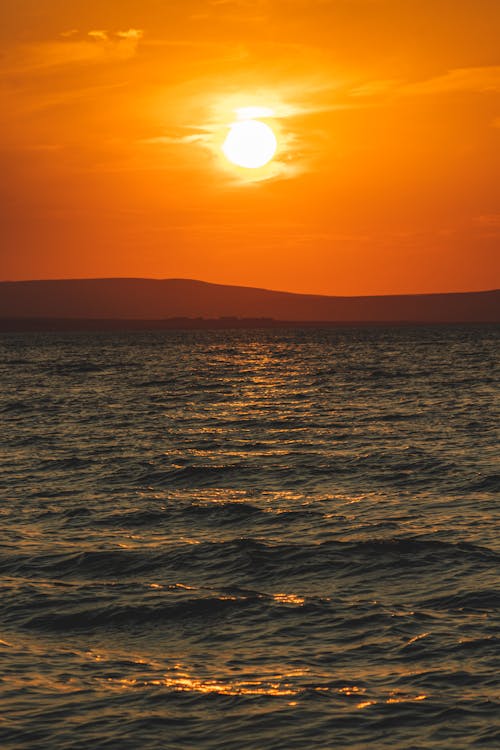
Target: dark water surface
[{"x": 250, "y": 540}]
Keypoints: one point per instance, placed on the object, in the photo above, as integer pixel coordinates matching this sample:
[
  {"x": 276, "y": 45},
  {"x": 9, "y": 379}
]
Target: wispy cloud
[
  {"x": 375, "y": 88},
  {"x": 481, "y": 79},
  {"x": 73, "y": 47},
  {"x": 175, "y": 140},
  {"x": 130, "y": 34},
  {"x": 473, "y": 80},
  {"x": 99, "y": 35}
]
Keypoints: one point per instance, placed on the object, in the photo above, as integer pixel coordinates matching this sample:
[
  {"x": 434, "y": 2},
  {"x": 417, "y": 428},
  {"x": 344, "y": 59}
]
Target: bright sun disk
[{"x": 250, "y": 144}]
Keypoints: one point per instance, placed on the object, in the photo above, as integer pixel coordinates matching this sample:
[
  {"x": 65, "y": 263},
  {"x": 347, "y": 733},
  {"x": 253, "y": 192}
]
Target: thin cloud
[
  {"x": 130, "y": 34},
  {"x": 99, "y": 35},
  {"x": 375, "y": 88},
  {"x": 472, "y": 80},
  {"x": 481, "y": 79},
  {"x": 73, "y": 47},
  {"x": 175, "y": 140}
]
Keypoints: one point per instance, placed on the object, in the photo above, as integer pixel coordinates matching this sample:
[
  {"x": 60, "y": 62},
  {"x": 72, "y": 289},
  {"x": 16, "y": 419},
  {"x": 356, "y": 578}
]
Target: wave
[
  {"x": 17, "y": 361},
  {"x": 257, "y": 557},
  {"x": 158, "y": 383},
  {"x": 295, "y": 468},
  {"x": 69, "y": 462},
  {"x": 76, "y": 368},
  {"x": 16, "y": 405},
  {"x": 476, "y": 600},
  {"x": 488, "y": 483},
  {"x": 219, "y": 513},
  {"x": 126, "y": 615}
]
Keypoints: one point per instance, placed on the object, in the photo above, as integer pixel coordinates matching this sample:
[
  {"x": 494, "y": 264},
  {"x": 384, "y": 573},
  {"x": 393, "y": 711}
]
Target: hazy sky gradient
[{"x": 387, "y": 114}]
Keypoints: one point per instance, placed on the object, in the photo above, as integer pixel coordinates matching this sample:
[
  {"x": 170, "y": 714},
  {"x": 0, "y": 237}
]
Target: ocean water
[{"x": 250, "y": 540}]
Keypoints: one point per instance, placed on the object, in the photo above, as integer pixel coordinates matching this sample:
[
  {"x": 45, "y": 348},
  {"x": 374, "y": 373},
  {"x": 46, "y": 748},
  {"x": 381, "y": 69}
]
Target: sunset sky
[{"x": 386, "y": 112}]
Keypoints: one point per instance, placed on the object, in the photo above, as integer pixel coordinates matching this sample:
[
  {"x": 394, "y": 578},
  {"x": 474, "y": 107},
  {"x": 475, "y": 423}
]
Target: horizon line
[{"x": 243, "y": 286}]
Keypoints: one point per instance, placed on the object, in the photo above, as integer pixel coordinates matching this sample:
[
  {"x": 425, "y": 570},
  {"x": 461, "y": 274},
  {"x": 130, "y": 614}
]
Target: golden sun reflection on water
[
  {"x": 395, "y": 698},
  {"x": 181, "y": 680},
  {"x": 365, "y": 704},
  {"x": 275, "y": 686},
  {"x": 184, "y": 683},
  {"x": 407, "y": 699},
  {"x": 289, "y": 599},
  {"x": 352, "y": 690},
  {"x": 291, "y": 682}
]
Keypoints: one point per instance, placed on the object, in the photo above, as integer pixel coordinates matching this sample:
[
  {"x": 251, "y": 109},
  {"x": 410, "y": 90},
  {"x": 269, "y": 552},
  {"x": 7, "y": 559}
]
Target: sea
[{"x": 263, "y": 539}]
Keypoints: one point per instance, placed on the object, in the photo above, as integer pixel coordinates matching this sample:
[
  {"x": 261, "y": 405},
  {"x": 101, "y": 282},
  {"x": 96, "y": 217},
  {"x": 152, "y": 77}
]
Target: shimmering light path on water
[{"x": 250, "y": 539}]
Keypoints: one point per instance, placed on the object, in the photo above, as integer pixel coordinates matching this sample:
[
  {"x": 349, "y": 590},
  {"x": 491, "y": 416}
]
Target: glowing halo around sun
[{"x": 250, "y": 144}]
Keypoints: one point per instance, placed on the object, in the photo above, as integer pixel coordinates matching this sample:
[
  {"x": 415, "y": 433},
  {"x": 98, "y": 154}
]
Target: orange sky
[{"x": 387, "y": 113}]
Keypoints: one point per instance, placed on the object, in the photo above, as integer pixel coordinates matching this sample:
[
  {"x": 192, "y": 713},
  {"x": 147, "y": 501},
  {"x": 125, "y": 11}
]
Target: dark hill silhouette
[{"x": 150, "y": 299}]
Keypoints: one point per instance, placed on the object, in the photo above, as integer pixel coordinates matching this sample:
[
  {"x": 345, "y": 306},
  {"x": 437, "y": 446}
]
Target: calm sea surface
[{"x": 250, "y": 540}]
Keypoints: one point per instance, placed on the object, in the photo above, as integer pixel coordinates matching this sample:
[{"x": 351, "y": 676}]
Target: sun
[{"x": 250, "y": 144}]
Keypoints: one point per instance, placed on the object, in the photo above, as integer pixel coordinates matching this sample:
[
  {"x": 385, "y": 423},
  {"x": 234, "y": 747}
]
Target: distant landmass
[{"x": 112, "y": 303}]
